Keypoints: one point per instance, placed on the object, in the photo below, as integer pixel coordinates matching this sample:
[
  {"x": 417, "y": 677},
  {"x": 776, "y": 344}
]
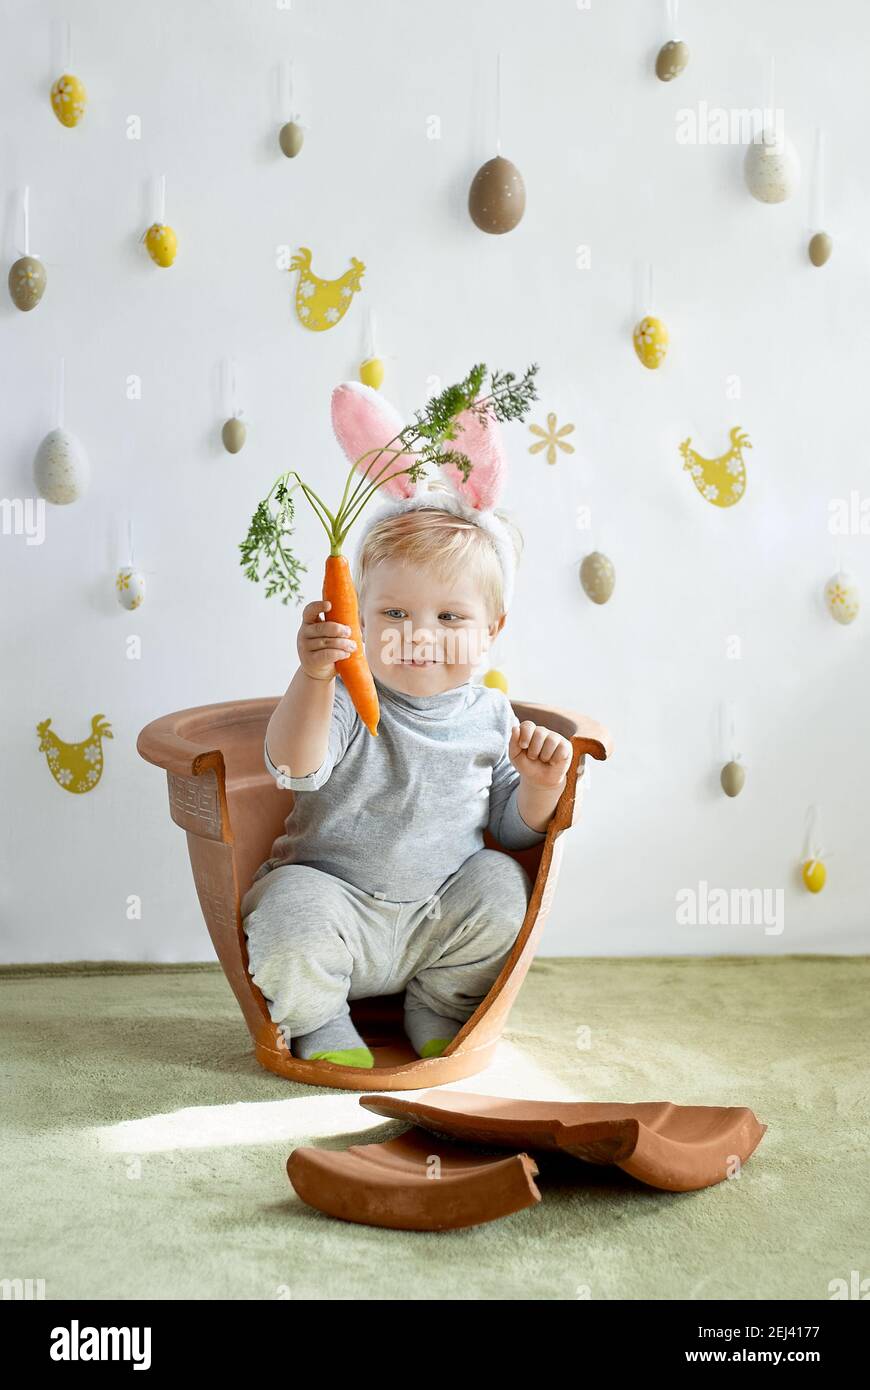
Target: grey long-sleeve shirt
[{"x": 398, "y": 813}]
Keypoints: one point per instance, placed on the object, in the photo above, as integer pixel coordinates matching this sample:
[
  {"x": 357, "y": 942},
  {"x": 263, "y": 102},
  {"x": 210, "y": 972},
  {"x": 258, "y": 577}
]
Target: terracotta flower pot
[{"x": 221, "y": 793}]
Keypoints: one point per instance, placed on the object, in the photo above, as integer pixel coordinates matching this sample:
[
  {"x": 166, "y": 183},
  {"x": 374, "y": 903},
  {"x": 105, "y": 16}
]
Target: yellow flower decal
[{"x": 551, "y": 438}]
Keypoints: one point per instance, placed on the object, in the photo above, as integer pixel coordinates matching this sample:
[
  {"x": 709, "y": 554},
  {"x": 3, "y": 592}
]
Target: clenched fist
[{"x": 541, "y": 757}]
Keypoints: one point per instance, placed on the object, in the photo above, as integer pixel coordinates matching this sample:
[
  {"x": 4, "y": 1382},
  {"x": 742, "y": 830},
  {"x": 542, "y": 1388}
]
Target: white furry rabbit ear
[
  {"x": 480, "y": 439},
  {"x": 364, "y": 423}
]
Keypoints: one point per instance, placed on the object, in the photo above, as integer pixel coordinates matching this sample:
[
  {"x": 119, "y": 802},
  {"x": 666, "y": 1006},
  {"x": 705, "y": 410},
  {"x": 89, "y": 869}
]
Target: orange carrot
[{"x": 354, "y": 669}]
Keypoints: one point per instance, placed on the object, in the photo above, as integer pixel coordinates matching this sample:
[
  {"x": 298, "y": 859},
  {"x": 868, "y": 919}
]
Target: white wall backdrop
[{"x": 594, "y": 135}]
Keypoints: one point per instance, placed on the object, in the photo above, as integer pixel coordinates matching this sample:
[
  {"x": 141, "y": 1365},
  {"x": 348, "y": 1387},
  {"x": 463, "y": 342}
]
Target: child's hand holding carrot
[{"x": 320, "y": 643}]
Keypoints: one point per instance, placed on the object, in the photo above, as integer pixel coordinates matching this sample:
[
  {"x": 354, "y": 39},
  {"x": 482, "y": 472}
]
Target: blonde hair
[{"x": 429, "y": 537}]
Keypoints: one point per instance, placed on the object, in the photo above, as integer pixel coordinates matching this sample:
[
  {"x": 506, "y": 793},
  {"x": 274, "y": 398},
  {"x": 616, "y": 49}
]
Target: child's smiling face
[{"x": 422, "y": 633}]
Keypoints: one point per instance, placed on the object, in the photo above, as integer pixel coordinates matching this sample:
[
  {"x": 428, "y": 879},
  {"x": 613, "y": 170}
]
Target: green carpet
[{"x": 143, "y": 1149}]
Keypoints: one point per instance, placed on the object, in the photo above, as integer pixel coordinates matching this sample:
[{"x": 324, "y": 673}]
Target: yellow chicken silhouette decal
[
  {"x": 77, "y": 767},
  {"x": 320, "y": 303},
  {"x": 723, "y": 480}
]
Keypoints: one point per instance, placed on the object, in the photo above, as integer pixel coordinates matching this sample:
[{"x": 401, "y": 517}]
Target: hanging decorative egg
[
  {"x": 672, "y": 57},
  {"x": 497, "y": 197},
  {"x": 496, "y": 680},
  {"x": 814, "y": 875},
  {"x": 733, "y": 778},
  {"x": 597, "y": 576},
  {"x": 69, "y": 99},
  {"x": 820, "y": 248},
  {"x": 371, "y": 373},
  {"x": 27, "y": 282},
  {"x": 842, "y": 598},
  {"x": 291, "y": 138},
  {"x": 130, "y": 587},
  {"x": 161, "y": 243},
  {"x": 771, "y": 170},
  {"x": 651, "y": 342},
  {"x": 233, "y": 435},
  {"x": 60, "y": 468}
]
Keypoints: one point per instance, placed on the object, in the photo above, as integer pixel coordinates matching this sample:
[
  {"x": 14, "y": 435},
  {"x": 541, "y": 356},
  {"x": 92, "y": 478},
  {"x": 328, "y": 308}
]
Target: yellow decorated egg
[
  {"x": 496, "y": 680},
  {"x": 651, "y": 342},
  {"x": 161, "y": 243},
  {"x": 69, "y": 99},
  {"x": 371, "y": 373},
  {"x": 842, "y": 598},
  {"x": 814, "y": 874}
]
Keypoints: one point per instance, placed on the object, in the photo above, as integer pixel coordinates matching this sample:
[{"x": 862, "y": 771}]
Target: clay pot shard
[
  {"x": 395, "y": 1184},
  {"x": 678, "y": 1148}
]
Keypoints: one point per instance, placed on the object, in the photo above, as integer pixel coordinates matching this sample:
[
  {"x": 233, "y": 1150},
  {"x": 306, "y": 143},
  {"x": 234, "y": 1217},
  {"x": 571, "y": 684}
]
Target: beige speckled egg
[
  {"x": 671, "y": 59},
  {"x": 233, "y": 435},
  {"x": 497, "y": 197},
  {"x": 842, "y": 598},
  {"x": 820, "y": 248},
  {"x": 772, "y": 171},
  {"x": 732, "y": 777},
  {"x": 60, "y": 468},
  {"x": 27, "y": 282},
  {"x": 291, "y": 138},
  {"x": 130, "y": 587},
  {"x": 597, "y": 576}
]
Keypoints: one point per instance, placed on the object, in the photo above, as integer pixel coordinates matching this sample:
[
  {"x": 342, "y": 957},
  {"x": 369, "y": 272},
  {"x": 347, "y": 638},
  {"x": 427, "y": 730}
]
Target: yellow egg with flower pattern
[
  {"x": 651, "y": 342},
  {"x": 69, "y": 99},
  {"x": 161, "y": 243}
]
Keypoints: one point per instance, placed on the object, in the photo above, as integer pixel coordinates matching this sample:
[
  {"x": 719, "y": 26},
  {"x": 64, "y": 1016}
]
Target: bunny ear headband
[{"x": 363, "y": 421}]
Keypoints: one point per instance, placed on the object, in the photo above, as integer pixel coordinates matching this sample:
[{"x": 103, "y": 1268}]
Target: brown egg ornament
[
  {"x": 732, "y": 777},
  {"x": 820, "y": 248},
  {"x": 291, "y": 139},
  {"x": 233, "y": 435},
  {"x": 27, "y": 282},
  {"x": 672, "y": 57},
  {"x": 598, "y": 577},
  {"x": 497, "y": 197}
]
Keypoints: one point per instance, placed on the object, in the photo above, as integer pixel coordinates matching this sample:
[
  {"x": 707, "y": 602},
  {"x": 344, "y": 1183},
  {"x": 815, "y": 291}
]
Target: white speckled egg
[
  {"x": 842, "y": 598},
  {"x": 130, "y": 587},
  {"x": 772, "y": 170},
  {"x": 60, "y": 468}
]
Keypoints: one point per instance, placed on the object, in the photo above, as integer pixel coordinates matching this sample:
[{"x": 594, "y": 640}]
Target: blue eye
[{"x": 388, "y": 612}]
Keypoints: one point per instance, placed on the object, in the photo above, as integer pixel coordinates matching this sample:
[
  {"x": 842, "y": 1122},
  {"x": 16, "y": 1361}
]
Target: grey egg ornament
[
  {"x": 27, "y": 281},
  {"x": 497, "y": 196},
  {"x": 820, "y": 248},
  {"x": 291, "y": 138},
  {"x": 772, "y": 170},
  {"x": 234, "y": 435},
  {"x": 671, "y": 59},
  {"x": 598, "y": 577},
  {"x": 733, "y": 778}
]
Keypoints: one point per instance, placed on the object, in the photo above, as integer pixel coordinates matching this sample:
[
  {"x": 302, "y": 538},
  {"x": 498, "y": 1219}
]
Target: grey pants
[{"x": 315, "y": 941}]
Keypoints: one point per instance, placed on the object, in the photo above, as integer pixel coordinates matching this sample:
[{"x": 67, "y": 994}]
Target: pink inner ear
[
  {"x": 481, "y": 441},
  {"x": 362, "y": 421}
]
